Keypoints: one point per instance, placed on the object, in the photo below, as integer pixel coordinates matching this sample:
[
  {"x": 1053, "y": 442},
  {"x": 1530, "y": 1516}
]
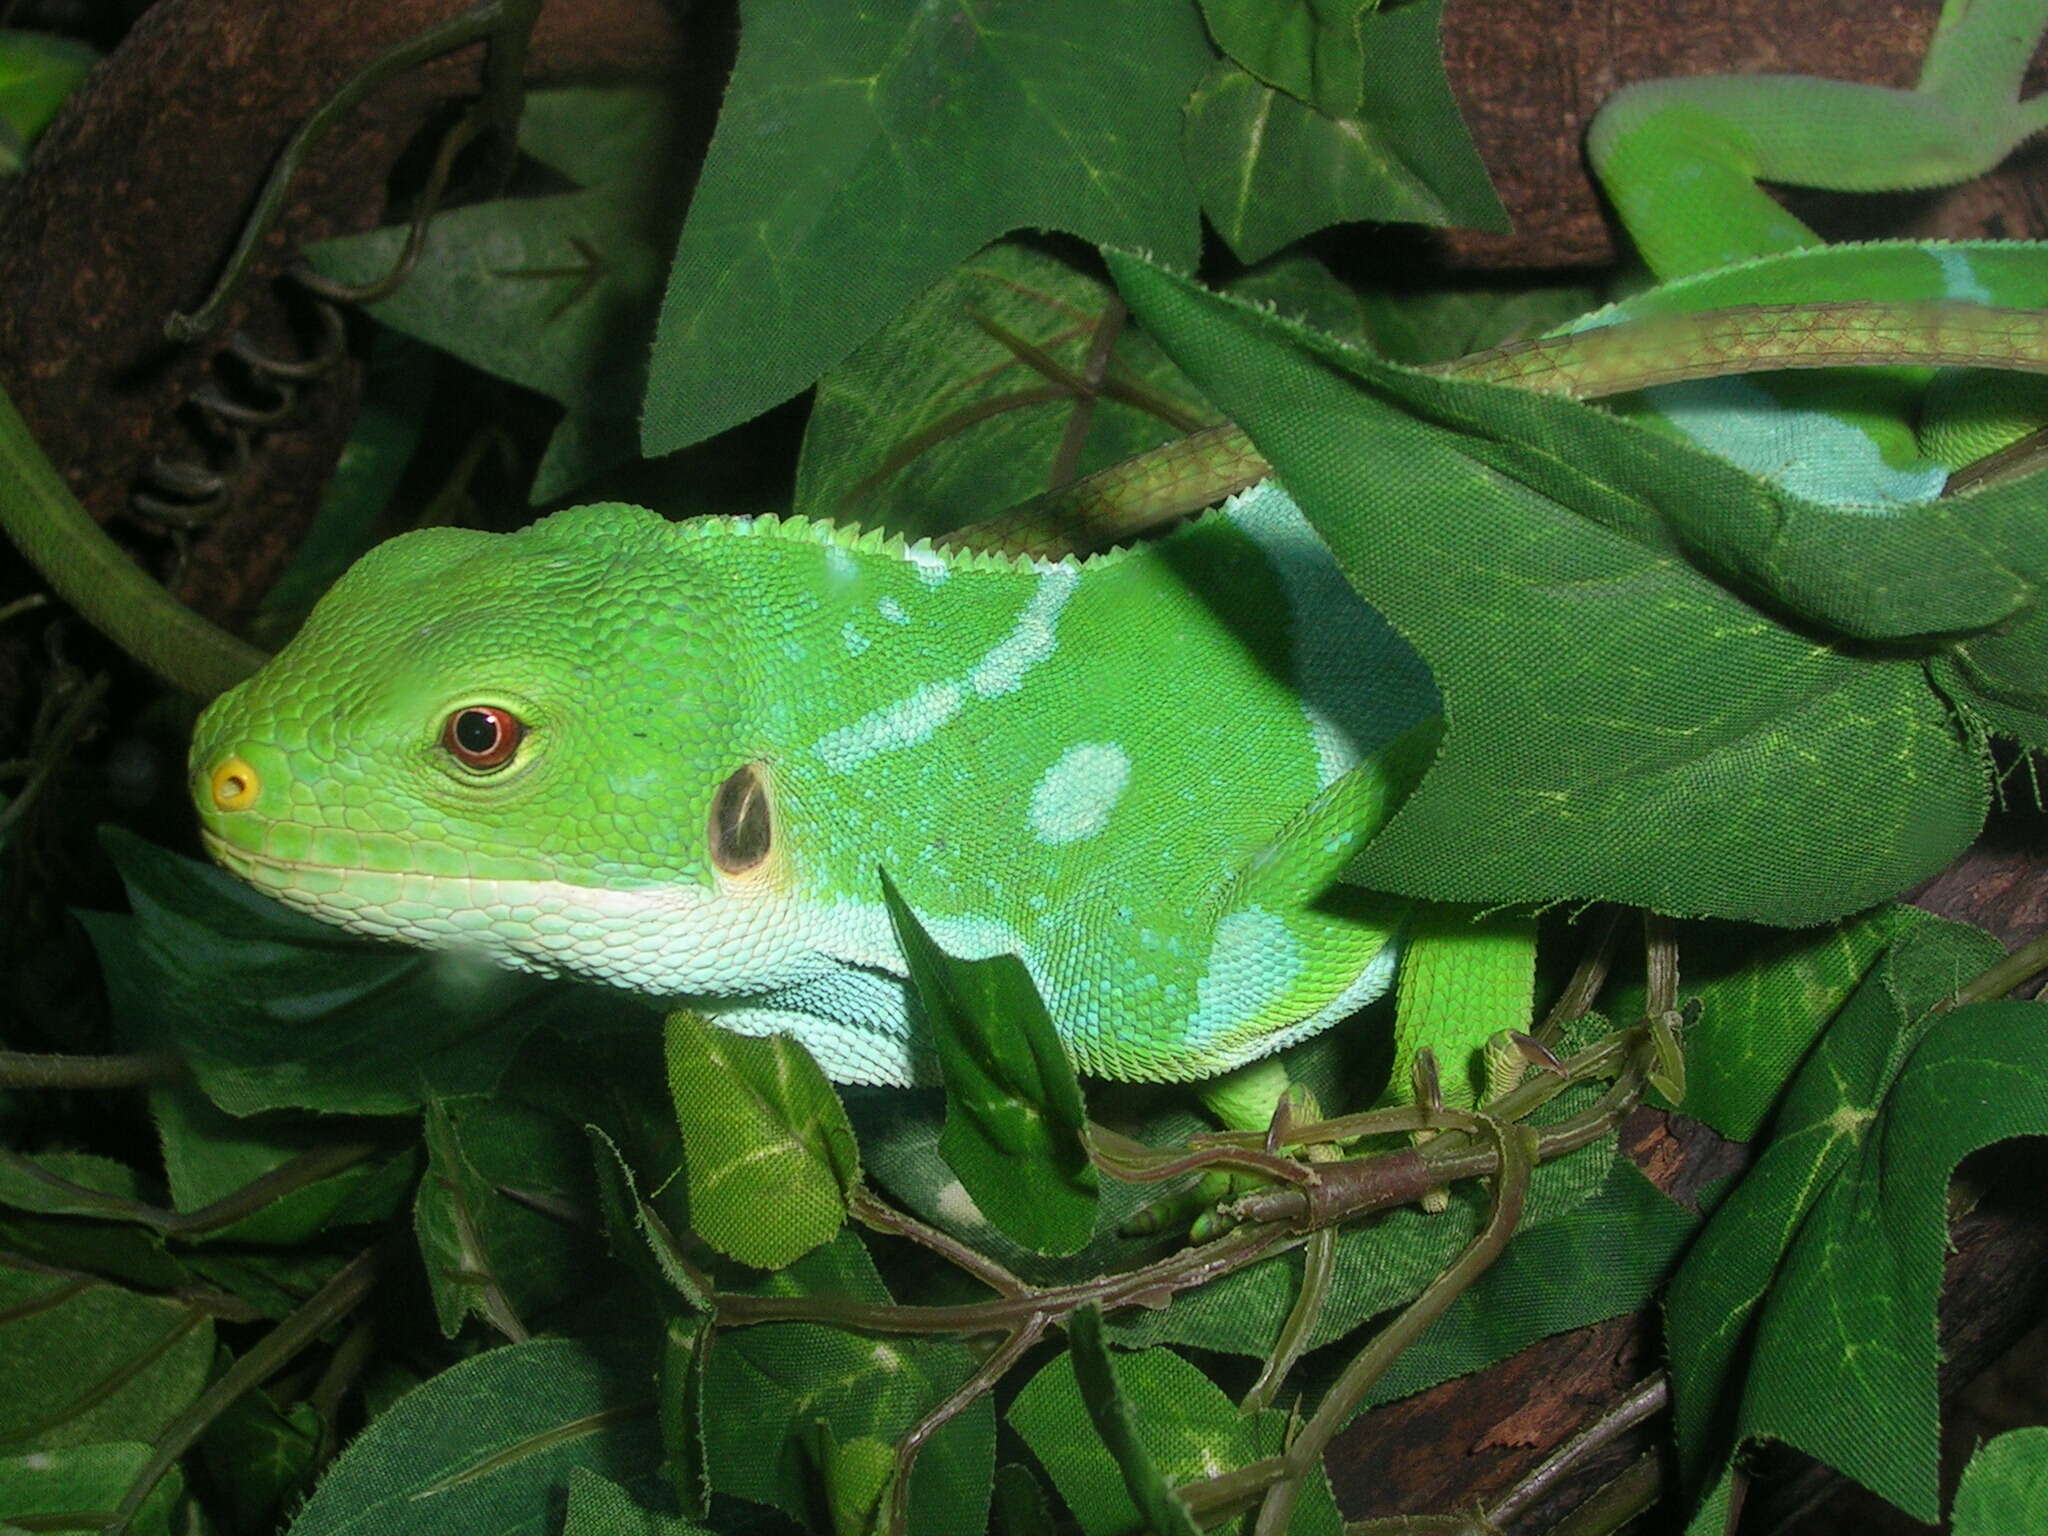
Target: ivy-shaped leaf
[
  {"x": 865, "y": 149},
  {"x": 1806, "y": 1311},
  {"x": 952, "y": 412},
  {"x": 1620, "y": 725},
  {"x": 1271, "y": 168},
  {"x": 1014, "y": 1118},
  {"x": 1307, "y": 48},
  {"x": 555, "y": 293},
  {"x": 599, "y": 1507},
  {"x": 769, "y": 1154}
]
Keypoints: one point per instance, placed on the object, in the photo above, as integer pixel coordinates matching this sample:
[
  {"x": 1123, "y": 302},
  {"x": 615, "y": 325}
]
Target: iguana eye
[
  {"x": 742, "y": 823},
  {"x": 482, "y": 736}
]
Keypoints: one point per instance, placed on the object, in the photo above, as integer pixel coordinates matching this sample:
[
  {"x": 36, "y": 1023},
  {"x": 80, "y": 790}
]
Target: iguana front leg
[{"x": 1681, "y": 159}]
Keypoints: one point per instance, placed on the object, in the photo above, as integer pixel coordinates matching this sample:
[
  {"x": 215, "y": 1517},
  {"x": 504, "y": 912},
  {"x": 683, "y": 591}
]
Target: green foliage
[
  {"x": 477, "y": 1449},
  {"x": 2005, "y": 1486},
  {"x": 1015, "y": 1125},
  {"x": 406, "y": 1244},
  {"x": 769, "y": 1152},
  {"x": 37, "y": 71},
  {"x": 1271, "y": 167},
  {"x": 1598, "y": 691},
  {"x": 1806, "y": 1312}
]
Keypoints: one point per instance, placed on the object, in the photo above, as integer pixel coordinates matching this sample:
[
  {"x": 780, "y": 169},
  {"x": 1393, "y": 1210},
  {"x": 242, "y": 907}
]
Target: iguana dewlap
[{"x": 671, "y": 757}]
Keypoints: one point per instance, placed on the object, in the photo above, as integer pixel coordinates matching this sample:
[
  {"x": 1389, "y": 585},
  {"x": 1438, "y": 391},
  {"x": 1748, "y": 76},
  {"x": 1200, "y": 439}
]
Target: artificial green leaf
[
  {"x": 935, "y": 422},
  {"x": 487, "y": 1447},
  {"x": 261, "y": 1458},
  {"x": 82, "y": 1361},
  {"x": 73, "y": 1184},
  {"x": 853, "y": 1477},
  {"x": 1151, "y": 1495},
  {"x": 1805, "y": 1313},
  {"x": 765, "y": 1386},
  {"x": 272, "y": 1010},
  {"x": 865, "y": 149},
  {"x": 598, "y": 1507},
  {"x": 554, "y": 293},
  {"x": 209, "y": 1155},
  {"x": 37, "y": 71},
  {"x": 1014, "y": 1118},
  {"x": 1426, "y": 325},
  {"x": 451, "y": 1220},
  {"x": 768, "y": 1151},
  {"x": 1308, "y": 48},
  {"x": 2005, "y": 1486},
  {"x": 1185, "y": 1425},
  {"x": 1018, "y": 1505},
  {"x": 1271, "y": 169},
  {"x": 1602, "y": 1259},
  {"x": 1619, "y": 724},
  {"x": 85, "y": 1483}
]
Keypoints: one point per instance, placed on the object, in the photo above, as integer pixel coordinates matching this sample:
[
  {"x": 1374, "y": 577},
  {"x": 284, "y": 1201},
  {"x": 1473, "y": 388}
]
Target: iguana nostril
[{"x": 235, "y": 785}]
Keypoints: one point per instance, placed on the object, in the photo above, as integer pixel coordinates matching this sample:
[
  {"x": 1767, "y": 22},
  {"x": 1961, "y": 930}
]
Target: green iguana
[{"x": 672, "y": 757}]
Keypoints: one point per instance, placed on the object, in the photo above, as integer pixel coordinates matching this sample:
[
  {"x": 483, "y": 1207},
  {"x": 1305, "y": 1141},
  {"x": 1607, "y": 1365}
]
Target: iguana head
[{"x": 527, "y": 743}]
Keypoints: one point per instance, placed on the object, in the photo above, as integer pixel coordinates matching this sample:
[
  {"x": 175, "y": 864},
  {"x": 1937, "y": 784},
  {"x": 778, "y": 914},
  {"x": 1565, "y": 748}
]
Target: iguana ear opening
[{"x": 742, "y": 821}]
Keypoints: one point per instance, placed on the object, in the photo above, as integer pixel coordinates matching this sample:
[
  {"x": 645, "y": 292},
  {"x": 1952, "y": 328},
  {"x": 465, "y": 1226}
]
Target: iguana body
[{"x": 1139, "y": 772}]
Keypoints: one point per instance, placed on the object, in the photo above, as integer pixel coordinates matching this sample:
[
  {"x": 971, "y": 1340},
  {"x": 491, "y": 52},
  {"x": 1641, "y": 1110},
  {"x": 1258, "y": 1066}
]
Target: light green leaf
[
  {"x": 1271, "y": 169},
  {"x": 86, "y": 1483},
  {"x": 83, "y": 1361},
  {"x": 1185, "y": 1425},
  {"x": 1619, "y": 724},
  {"x": 934, "y": 422},
  {"x": 1014, "y": 1118},
  {"x": 766, "y": 1386},
  {"x": 1307, "y": 48},
  {"x": 1805, "y": 1313},
  {"x": 37, "y": 71},
  {"x": 2005, "y": 1486},
  {"x": 487, "y": 1447},
  {"x": 769, "y": 1154},
  {"x": 865, "y": 149},
  {"x": 598, "y": 1507}
]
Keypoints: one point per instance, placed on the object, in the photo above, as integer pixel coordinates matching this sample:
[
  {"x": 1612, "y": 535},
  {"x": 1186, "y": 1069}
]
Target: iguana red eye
[{"x": 482, "y": 736}]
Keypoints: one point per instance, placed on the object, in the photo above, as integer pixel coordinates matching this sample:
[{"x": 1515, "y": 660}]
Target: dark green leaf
[
  {"x": 1014, "y": 1116},
  {"x": 82, "y": 1361},
  {"x": 766, "y": 1386},
  {"x": 1308, "y": 48},
  {"x": 2005, "y": 1486},
  {"x": 261, "y": 1458},
  {"x": 37, "y": 71},
  {"x": 1822, "y": 1268},
  {"x": 1185, "y": 1425},
  {"x": 1619, "y": 724},
  {"x": 934, "y": 422},
  {"x": 1018, "y": 1507},
  {"x": 769, "y": 1154},
  {"x": 487, "y": 1447},
  {"x": 601, "y": 1508},
  {"x": 81, "y": 1482},
  {"x": 555, "y": 293},
  {"x": 272, "y": 1010},
  {"x": 1271, "y": 169},
  {"x": 865, "y": 149}
]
